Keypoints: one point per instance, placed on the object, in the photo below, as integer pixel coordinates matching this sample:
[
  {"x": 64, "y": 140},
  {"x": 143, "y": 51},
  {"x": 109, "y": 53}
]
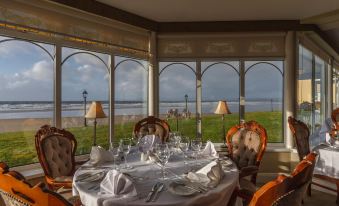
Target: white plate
[{"x": 180, "y": 189}]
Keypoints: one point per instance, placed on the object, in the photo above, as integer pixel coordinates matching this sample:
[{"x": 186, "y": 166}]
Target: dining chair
[
  {"x": 335, "y": 118},
  {"x": 56, "y": 152},
  {"x": 287, "y": 190},
  {"x": 301, "y": 136},
  {"x": 246, "y": 146},
  {"x": 16, "y": 191},
  {"x": 152, "y": 125}
]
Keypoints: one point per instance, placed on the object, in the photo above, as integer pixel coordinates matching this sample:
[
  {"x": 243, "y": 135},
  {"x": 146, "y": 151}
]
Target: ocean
[{"x": 40, "y": 109}]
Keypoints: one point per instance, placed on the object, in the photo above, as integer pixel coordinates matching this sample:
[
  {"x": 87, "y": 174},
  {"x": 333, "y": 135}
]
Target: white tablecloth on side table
[
  {"x": 328, "y": 161},
  {"x": 150, "y": 172}
]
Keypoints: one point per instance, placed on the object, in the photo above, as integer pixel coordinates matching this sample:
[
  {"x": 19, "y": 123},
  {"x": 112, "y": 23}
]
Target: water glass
[
  {"x": 114, "y": 150},
  {"x": 163, "y": 153},
  {"x": 184, "y": 148},
  {"x": 196, "y": 145},
  {"x": 125, "y": 148}
]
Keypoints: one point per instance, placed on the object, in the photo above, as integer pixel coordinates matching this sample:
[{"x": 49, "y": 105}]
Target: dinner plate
[
  {"x": 180, "y": 189},
  {"x": 90, "y": 177}
]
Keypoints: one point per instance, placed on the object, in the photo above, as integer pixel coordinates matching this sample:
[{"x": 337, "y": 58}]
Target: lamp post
[
  {"x": 222, "y": 109},
  {"x": 84, "y": 95},
  {"x": 186, "y": 109}
]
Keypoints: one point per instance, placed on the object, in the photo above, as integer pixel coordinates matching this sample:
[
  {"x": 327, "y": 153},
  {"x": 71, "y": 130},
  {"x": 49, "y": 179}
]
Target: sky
[{"x": 26, "y": 74}]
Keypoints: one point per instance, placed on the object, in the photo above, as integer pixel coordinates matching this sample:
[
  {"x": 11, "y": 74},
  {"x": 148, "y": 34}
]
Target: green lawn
[{"x": 18, "y": 148}]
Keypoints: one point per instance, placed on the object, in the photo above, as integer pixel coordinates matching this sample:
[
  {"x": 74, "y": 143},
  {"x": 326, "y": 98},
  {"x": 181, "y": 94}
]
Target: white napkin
[
  {"x": 210, "y": 150},
  {"x": 99, "y": 155},
  {"x": 118, "y": 185},
  {"x": 210, "y": 175},
  {"x": 327, "y": 137}
]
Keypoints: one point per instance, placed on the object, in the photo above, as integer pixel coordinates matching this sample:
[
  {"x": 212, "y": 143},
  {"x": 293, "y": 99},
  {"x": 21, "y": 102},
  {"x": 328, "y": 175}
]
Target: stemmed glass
[
  {"x": 125, "y": 147},
  {"x": 196, "y": 145},
  {"x": 184, "y": 145},
  {"x": 163, "y": 153},
  {"x": 114, "y": 150}
]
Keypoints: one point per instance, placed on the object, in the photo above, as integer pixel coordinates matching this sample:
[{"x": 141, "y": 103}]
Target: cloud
[{"x": 41, "y": 71}]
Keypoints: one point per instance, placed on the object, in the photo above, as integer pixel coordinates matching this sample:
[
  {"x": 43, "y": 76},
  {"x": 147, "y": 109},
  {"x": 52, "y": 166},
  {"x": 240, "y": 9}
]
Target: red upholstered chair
[
  {"x": 15, "y": 191},
  {"x": 56, "y": 152},
  {"x": 152, "y": 125}
]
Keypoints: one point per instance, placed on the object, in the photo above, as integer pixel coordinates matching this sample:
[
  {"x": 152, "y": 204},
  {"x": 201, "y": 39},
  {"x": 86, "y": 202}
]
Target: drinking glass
[
  {"x": 184, "y": 148},
  {"x": 163, "y": 154},
  {"x": 196, "y": 147},
  {"x": 125, "y": 147},
  {"x": 114, "y": 150}
]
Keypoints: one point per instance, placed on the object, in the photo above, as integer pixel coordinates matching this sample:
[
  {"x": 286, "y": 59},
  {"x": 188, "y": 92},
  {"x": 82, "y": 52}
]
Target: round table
[{"x": 146, "y": 174}]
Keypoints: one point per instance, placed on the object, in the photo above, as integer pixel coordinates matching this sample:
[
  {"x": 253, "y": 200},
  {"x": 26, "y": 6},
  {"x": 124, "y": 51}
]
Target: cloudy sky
[{"x": 26, "y": 74}]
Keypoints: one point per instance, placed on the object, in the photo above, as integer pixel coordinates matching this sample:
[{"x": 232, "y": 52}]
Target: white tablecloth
[
  {"x": 328, "y": 161},
  {"x": 150, "y": 172}
]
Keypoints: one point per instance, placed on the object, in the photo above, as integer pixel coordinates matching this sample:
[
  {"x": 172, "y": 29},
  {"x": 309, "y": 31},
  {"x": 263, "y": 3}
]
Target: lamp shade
[
  {"x": 95, "y": 111},
  {"x": 222, "y": 108}
]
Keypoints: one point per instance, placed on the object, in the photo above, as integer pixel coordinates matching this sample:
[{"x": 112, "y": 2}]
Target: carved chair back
[
  {"x": 152, "y": 125},
  {"x": 301, "y": 135},
  {"x": 247, "y": 143},
  {"x": 15, "y": 191},
  {"x": 56, "y": 151}
]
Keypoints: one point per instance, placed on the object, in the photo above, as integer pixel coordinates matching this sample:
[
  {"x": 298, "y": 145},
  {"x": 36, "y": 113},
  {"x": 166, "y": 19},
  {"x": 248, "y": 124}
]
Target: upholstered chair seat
[
  {"x": 152, "y": 126},
  {"x": 56, "y": 151},
  {"x": 246, "y": 144}
]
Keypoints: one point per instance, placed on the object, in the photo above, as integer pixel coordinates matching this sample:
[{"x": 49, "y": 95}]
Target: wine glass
[
  {"x": 196, "y": 147},
  {"x": 163, "y": 153},
  {"x": 114, "y": 150},
  {"x": 125, "y": 147},
  {"x": 183, "y": 145}
]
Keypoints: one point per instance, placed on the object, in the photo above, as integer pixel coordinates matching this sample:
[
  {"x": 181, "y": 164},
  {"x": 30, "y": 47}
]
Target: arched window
[
  {"x": 220, "y": 81},
  {"x": 264, "y": 96},
  {"x": 131, "y": 92},
  {"x": 177, "y": 91},
  {"x": 84, "y": 71},
  {"x": 26, "y": 91}
]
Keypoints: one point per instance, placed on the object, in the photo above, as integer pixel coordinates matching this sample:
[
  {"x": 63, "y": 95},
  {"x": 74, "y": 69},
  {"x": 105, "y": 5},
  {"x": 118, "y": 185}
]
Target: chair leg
[
  {"x": 309, "y": 189},
  {"x": 337, "y": 183}
]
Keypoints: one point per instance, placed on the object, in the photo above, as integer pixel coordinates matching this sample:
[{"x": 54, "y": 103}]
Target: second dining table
[{"x": 145, "y": 174}]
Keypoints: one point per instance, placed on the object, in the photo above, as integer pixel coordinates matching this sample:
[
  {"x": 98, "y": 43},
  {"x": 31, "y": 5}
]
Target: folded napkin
[
  {"x": 118, "y": 185},
  {"x": 210, "y": 175},
  {"x": 99, "y": 155},
  {"x": 210, "y": 150}
]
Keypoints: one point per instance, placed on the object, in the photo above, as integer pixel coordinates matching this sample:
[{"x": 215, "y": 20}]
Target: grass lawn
[{"x": 18, "y": 148}]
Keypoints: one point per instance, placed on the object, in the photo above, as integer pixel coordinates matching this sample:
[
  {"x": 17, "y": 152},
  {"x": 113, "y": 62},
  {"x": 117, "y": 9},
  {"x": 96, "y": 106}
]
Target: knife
[
  {"x": 157, "y": 192},
  {"x": 151, "y": 193}
]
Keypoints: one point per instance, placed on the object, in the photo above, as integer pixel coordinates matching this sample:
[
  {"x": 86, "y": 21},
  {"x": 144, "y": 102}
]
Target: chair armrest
[{"x": 247, "y": 171}]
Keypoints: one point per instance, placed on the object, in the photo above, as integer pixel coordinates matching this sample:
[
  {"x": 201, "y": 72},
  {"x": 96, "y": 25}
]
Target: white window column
[
  {"x": 111, "y": 65},
  {"x": 153, "y": 77}
]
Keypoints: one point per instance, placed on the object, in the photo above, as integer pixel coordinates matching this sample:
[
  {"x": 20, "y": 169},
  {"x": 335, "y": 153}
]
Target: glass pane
[
  {"x": 131, "y": 89},
  {"x": 220, "y": 81},
  {"x": 264, "y": 96},
  {"x": 319, "y": 92},
  {"x": 335, "y": 87},
  {"x": 26, "y": 91},
  {"x": 304, "y": 84},
  {"x": 177, "y": 93},
  {"x": 84, "y": 71}
]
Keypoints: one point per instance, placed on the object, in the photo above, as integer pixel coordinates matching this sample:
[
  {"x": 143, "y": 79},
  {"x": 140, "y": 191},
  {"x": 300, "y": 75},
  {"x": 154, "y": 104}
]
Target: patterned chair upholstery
[
  {"x": 15, "y": 191},
  {"x": 246, "y": 145},
  {"x": 301, "y": 135},
  {"x": 56, "y": 152},
  {"x": 152, "y": 125}
]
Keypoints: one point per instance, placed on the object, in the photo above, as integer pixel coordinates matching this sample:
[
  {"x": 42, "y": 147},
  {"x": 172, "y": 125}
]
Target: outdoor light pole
[
  {"x": 186, "y": 99},
  {"x": 84, "y": 95}
]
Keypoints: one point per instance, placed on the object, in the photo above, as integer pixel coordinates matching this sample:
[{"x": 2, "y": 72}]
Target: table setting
[{"x": 177, "y": 172}]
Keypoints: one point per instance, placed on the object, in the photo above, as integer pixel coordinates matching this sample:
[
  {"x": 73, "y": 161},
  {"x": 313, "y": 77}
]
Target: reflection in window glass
[
  {"x": 26, "y": 90},
  {"x": 177, "y": 84},
  {"x": 319, "y": 93},
  {"x": 220, "y": 81},
  {"x": 335, "y": 87},
  {"x": 131, "y": 80},
  {"x": 264, "y": 96},
  {"x": 84, "y": 71},
  {"x": 304, "y": 92}
]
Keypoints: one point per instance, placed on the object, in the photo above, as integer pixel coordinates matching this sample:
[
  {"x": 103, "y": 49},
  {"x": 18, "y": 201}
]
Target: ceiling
[{"x": 224, "y": 10}]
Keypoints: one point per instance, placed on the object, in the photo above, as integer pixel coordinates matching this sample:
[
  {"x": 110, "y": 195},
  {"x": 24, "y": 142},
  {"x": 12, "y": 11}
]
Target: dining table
[{"x": 145, "y": 174}]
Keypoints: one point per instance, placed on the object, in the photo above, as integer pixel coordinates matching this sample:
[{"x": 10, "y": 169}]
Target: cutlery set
[{"x": 153, "y": 195}]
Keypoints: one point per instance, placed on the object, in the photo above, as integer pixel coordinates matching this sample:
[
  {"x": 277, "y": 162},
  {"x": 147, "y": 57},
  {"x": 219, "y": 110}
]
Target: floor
[{"x": 320, "y": 198}]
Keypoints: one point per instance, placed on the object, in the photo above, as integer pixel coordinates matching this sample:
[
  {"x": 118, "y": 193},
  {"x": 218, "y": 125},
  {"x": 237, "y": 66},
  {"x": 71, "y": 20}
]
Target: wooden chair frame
[
  {"x": 14, "y": 185},
  {"x": 255, "y": 127},
  {"x": 334, "y": 118},
  {"x": 43, "y": 133},
  {"x": 291, "y": 122},
  {"x": 155, "y": 121}
]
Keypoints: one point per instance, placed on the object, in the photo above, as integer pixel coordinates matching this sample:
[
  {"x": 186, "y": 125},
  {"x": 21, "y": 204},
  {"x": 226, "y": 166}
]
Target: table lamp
[
  {"x": 222, "y": 109},
  {"x": 94, "y": 112}
]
